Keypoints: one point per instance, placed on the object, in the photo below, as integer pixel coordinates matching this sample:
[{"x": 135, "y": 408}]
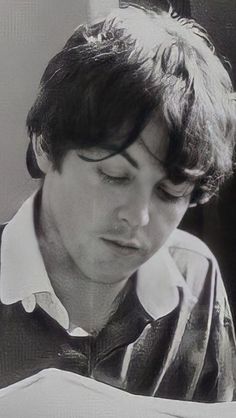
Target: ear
[{"x": 40, "y": 154}]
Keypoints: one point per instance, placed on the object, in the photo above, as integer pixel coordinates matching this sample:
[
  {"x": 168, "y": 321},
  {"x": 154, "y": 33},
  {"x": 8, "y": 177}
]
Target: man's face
[{"x": 110, "y": 216}]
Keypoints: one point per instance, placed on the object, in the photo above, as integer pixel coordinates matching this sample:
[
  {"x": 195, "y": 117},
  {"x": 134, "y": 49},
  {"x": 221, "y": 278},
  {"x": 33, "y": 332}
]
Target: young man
[{"x": 134, "y": 122}]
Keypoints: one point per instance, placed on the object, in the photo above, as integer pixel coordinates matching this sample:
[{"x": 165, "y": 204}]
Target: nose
[{"x": 136, "y": 210}]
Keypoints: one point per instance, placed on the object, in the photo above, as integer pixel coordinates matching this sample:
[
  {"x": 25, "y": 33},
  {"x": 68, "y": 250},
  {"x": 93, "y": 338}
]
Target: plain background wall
[{"x": 31, "y": 32}]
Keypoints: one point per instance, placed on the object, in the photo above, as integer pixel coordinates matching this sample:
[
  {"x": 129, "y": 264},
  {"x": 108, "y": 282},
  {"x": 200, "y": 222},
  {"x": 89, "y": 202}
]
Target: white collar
[
  {"x": 24, "y": 277},
  {"x": 158, "y": 282},
  {"x": 23, "y": 274}
]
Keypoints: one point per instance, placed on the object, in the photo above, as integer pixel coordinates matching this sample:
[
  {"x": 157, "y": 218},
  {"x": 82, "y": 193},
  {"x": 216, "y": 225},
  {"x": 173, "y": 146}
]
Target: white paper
[{"x": 58, "y": 394}]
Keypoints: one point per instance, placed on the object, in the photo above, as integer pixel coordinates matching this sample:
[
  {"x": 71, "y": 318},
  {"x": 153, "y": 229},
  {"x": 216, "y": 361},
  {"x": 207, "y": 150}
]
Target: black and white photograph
[{"x": 117, "y": 209}]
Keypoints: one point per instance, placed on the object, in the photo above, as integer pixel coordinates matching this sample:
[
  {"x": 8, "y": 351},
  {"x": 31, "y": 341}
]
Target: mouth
[{"x": 123, "y": 247}]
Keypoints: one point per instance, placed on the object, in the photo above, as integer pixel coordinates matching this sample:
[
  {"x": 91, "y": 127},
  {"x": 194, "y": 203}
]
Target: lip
[{"x": 123, "y": 247}]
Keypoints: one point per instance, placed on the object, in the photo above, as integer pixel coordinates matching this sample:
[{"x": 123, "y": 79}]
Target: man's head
[
  {"x": 111, "y": 77},
  {"x": 108, "y": 217},
  {"x": 134, "y": 120}
]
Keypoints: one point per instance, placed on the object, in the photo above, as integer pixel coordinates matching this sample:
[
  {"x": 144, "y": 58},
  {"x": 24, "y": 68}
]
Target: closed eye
[
  {"x": 166, "y": 196},
  {"x": 110, "y": 179}
]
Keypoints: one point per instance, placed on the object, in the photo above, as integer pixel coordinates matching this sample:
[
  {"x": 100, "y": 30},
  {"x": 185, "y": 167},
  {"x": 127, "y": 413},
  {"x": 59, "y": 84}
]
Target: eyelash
[
  {"x": 162, "y": 193},
  {"x": 112, "y": 179},
  {"x": 167, "y": 197}
]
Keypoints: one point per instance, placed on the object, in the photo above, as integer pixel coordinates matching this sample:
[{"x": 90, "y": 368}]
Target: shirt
[
  {"x": 173, "y": 326},
  {"x": 24, "y": 277}
]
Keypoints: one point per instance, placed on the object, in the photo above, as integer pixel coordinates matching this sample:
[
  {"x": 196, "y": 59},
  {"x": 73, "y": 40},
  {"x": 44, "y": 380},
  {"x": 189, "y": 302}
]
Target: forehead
[
  {"x": 154, "y": 140},
  {"x": 150, "y": 148}
]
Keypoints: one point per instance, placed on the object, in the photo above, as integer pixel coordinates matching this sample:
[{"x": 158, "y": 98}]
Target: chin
[
  {"x": 106, "y": 270},
  {"x": 109, "y": 276}
]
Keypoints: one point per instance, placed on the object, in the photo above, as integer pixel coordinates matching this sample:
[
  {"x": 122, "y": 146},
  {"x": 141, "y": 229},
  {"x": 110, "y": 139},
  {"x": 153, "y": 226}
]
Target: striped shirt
[{"x": 171, "y": 336}]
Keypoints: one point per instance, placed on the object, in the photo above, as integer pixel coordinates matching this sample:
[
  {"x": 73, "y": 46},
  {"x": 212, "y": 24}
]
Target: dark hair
[{"x": 109, "y": 79}]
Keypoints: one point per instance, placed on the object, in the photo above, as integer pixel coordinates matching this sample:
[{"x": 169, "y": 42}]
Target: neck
[{"x": 88, "y": 303}]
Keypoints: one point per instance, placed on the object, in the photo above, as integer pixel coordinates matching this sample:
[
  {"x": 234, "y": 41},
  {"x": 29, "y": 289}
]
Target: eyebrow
[
  {"x": 134, "y": 163},
  {"x": 130, "y": 159}
]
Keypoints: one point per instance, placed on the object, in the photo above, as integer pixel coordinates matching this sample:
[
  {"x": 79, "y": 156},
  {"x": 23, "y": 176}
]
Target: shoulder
[
  {"x": 194, "y": 260},
  {"x": 183, "y": 245},
  {"x": 190, "y": 244}
]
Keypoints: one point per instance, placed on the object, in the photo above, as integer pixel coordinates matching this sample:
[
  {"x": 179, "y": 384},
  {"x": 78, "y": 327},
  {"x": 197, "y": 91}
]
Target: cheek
[
  {"x": 175, "y": 212},
  {"x": 165, "y": 219},
  {"x": 82, "y": 210}
]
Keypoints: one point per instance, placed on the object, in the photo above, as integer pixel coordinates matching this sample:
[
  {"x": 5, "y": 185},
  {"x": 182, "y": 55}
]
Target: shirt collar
[
  {"x": 23, "y": 274},
  {"x": 24, "y": 277},
  {"x": 158, "y": 282}
]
